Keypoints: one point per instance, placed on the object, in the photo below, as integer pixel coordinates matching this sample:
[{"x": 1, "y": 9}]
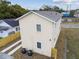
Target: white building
[
  {"x": 76, "y": 14},
  {"x": 40, "y": 31},
  {"x": 8, "y": 26}
]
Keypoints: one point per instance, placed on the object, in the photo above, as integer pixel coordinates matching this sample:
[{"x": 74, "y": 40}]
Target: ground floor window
[{"x": 39, "y": 45}]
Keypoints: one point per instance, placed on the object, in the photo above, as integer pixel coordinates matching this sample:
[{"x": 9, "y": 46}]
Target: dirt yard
[
  {"x": 60, "y": 45},
  {"x": 19, "y": 55}
]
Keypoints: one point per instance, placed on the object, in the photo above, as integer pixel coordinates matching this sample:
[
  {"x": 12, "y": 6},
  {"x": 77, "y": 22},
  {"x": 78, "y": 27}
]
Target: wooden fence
[
  {"x": 9, "y": 39},
  {"x": 11, "y": 46}
]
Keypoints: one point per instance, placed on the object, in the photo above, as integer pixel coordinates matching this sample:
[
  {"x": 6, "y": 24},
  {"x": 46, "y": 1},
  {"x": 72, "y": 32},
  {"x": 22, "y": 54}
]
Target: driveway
[{"x": 70, "y": 25}]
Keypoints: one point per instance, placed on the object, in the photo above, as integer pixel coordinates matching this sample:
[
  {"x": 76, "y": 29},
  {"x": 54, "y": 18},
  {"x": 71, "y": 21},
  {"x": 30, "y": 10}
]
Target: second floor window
[{"x": 38, "y": 27}]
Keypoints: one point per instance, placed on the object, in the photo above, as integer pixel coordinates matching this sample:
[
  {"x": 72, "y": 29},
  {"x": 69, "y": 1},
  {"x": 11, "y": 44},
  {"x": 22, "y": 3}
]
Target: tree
[
  {"x": 72, "y": 12},
  {"x": 46, "y": 8},
  {"x": 7, "y": 10},
  {"x": 50, "y": 8}
]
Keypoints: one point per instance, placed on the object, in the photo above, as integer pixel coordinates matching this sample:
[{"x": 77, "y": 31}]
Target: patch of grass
[
  {"x": 72, "y": 36},
  {"x": 60, "y": 45}
]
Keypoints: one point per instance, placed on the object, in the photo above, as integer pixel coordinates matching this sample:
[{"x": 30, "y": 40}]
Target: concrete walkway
[{"x": 70, "y": 25}]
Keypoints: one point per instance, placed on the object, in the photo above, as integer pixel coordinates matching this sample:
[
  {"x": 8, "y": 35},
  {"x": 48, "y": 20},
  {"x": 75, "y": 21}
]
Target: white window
[
  {"x": 38, "y": 27},
  {"x": 17, "y": 28}
]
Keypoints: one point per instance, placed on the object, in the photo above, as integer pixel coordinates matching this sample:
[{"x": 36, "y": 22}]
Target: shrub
[{"x": 0, "y": 37}]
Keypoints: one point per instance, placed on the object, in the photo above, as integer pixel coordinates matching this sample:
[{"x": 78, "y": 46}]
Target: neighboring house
[
  {"x": 3, "y": 31},
  {"x": 40, "y": 31},
  {"x": 76, "y": 14},
  {"x": 8, "y": 26}
]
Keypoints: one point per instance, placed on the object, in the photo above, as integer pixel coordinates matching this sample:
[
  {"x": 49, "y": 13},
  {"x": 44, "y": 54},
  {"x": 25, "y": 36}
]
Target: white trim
[{"x": 36, "y": 14}]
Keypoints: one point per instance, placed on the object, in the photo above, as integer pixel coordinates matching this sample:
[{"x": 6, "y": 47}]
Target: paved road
[{"x": 70, "y": 25}]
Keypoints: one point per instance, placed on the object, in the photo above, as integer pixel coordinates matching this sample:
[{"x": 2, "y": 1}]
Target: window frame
[
  {"x": 38, "y": 27},
  {"x": 39, "y": 45}
]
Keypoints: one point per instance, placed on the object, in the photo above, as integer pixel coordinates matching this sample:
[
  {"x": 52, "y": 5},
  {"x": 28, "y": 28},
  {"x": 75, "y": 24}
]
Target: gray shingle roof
[
  {"x": 11, "y": 22},
  {"x": 55, "y": 16}
]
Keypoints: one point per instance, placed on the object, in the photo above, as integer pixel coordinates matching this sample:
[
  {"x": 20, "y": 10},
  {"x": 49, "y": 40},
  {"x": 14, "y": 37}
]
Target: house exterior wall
[
  {"x": 30, "y": 36},
  {"x": 6, "y": 33},
  {"x": 56, "y": 32},
  {"x": 16, "y": 29},
  {"x": 3, "y": 34}
]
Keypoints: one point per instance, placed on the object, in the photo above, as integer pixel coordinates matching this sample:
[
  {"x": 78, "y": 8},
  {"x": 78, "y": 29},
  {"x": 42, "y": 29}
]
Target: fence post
[{"x": 54, "y": 53}]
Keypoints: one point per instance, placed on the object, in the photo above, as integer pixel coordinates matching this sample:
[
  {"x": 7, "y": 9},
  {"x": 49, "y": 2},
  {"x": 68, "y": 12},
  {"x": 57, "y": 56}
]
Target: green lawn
[{"x": 72, "y": 36}]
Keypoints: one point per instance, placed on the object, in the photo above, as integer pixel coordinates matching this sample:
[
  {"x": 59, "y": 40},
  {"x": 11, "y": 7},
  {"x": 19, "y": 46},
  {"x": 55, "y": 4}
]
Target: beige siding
[
  {"x": 30, "y": 36},
  {"x": 56, "y": 32}
]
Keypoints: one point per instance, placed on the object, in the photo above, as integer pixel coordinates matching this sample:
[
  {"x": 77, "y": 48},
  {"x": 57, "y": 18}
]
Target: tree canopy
[
  {"x": 7, "y": 10},
  {"x": 72, "y": 12},
  {"x": 50, "y": 8}
]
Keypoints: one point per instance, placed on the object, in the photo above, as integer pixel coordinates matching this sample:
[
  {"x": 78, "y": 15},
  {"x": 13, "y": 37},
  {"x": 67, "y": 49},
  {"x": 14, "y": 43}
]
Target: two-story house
[{"x": 40, "y": 31}]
